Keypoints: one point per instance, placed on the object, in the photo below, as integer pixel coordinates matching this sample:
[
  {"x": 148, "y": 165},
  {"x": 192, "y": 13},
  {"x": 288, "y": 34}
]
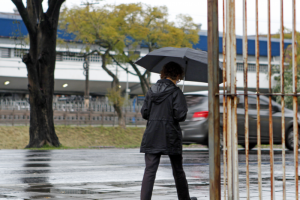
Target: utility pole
[
  {"x": 86, "y": 66},
  {"x": 88, "y": 4},
  {"x": 127, "y": 89},
  {"x": 86, "y": 90}
]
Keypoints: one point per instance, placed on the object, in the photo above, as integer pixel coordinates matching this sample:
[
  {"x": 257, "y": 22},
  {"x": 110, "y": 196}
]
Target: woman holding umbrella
[{"x": 164, "y": 107}]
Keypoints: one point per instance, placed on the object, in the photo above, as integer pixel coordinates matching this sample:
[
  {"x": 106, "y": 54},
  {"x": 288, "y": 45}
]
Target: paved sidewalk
[
  {"x": 117, "y": 174},
  {"x": 86, "y": 174}
]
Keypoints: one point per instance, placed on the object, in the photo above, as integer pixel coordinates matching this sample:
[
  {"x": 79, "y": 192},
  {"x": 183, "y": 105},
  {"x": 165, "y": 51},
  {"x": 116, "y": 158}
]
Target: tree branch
[
  {"x": 145, "y": 73},
  {"x": 115, "y": 78},
  {"x": 39, "y": 9},
  {"x": 121, "y": 65},
  {"x": 54, "y": 6},
  {"x": 25, "y": 17}
]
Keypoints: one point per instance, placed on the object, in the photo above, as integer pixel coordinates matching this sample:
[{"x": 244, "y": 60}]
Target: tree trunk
[
  {"x": 144, "y": 83},
  {"x": 114, "y": 86},
  {"x": 40, "y": 63}
]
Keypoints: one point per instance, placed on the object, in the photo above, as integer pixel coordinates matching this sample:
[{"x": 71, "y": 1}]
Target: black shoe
[{"x": 193, "y": 198}]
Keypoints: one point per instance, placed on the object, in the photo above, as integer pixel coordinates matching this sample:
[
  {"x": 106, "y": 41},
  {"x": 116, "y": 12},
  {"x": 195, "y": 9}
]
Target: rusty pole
[
  {"x": 245, "y": 59},
  {"x": 282, "y": 97},
  {"x": 224, "y": 105},
  {"x": 213, "y": 88},
  {"x": 258, "y": 105},
  {"x": 270, "y": 104},
  {"x": 295, "y": 101},
  {"x": 233, "y": 179}
]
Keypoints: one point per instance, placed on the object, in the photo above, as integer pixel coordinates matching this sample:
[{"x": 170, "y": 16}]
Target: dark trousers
[{"x": 152, "y": 162}]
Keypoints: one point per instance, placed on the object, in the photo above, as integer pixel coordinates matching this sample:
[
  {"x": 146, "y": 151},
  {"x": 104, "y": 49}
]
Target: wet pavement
[{"x": 117, "y": 174}]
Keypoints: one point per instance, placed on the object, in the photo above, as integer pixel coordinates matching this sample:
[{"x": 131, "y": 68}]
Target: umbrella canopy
[{"x": 193, "y": 61}]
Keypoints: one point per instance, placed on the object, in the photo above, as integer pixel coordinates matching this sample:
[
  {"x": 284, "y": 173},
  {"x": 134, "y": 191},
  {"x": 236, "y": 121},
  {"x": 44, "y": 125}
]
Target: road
[{"x": 117, "y": 174}]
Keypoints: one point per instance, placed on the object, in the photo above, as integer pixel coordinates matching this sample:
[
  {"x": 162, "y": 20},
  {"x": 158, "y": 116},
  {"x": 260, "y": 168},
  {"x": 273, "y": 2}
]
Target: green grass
[{"x": 73, "y": 137}]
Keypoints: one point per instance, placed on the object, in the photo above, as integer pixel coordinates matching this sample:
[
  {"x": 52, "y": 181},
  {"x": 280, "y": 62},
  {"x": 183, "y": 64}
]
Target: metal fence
[
  {"x": 230, "y": 131},
  {"x": 72, "y": 113},
  {"x": 22, "y": 117},
  {"x": 72, "y": 106}
]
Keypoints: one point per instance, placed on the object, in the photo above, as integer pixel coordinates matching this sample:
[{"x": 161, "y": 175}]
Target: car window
[
  {"x": 194, "y": 100},
  {"x": 240, "y": 101},
  {"x": 264, "y": 105}
]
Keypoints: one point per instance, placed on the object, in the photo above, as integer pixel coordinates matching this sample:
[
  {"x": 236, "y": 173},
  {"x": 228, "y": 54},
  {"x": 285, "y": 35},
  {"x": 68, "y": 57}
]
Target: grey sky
[{"x": 198, "y": 10}]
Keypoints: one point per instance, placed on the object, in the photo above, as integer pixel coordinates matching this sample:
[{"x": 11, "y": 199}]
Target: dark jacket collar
[{"x": 167, "y": 81}]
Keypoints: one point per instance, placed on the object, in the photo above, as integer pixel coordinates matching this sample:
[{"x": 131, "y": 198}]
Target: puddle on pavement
[
  {"x": 36, "y": 165},
  {"x": 38, "y": 153},
  {"x": 49, "y": 188},
  {"x": 190, "y": 184},
  {"x": 29, "y": 171},
  {"x": 35, "y": 180},
  {"x": 38, "y": 159}
]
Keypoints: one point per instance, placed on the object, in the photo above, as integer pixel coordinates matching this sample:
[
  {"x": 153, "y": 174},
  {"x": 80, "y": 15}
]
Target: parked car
[{"x": 195, "y": 128}]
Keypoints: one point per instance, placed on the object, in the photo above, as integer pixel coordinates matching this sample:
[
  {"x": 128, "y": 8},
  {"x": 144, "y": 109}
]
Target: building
[{"x": 69, "y": 73}]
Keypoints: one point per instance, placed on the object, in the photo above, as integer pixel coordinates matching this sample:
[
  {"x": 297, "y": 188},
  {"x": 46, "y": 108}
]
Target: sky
[{"x": 197, "y": 9}]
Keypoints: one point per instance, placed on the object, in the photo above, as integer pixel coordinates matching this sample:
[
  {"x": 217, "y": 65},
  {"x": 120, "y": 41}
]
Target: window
[
  {"x": 20, "y": 52},
  {"x": 69, "y": 56},
  {"x": 264, "y": 105},
  {"x": 59, "y": 56},
  {"x": 252, "y": 67},
  {"x": 194, "y": 100},
  {"x": 4, "y": 53},
  {"x": 240, "y": 102}
]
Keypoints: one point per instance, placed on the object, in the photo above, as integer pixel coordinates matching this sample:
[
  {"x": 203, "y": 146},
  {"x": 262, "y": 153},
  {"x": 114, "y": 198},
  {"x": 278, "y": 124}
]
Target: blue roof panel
[
  {"x": 17, "y": 28},
  {"x": 12, "y": 28},
  {"x": 263, "y": 48}
]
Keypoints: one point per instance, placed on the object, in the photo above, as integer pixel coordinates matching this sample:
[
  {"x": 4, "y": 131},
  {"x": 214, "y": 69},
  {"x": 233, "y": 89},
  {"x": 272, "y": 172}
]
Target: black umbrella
[{"x": 193, "y": 61}]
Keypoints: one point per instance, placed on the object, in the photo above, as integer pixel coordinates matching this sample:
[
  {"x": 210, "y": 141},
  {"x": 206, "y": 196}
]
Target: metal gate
[{"x": 230, "y": 132}]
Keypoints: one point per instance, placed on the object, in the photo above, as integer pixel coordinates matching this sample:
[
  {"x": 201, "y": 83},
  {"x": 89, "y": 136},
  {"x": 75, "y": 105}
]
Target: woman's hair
[{"x": 172, "y": 70}]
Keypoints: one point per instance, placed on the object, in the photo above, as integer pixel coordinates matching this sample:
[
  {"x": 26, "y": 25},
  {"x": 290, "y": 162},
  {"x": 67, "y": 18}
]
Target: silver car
[{"x": 195, "y": 128}]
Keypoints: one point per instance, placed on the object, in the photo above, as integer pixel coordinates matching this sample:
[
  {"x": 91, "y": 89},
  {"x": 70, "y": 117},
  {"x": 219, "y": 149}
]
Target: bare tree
[{"x": 40, "y": 63}]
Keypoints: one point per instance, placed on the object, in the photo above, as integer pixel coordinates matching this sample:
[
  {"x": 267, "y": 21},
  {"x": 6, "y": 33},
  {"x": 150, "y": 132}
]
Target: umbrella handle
[{"x": 183, "y": 84}]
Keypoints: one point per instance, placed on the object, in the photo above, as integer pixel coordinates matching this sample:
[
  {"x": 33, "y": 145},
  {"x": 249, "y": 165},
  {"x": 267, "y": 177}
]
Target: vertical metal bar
[
  {"x": 282, "y": 98},
  {"x": 270, "y": 104},
  {"x": 258, "y": 105},
  {"x": 245, "y": 58},
  {"x": 213, "y": 88},
  {"x": 295, "y": 101},
  {"x": 233, "y": 181},
  {"x": 224, "y": 105},
  {"x": 86, "y": 91},
  {"x": 229, "y": 145}
]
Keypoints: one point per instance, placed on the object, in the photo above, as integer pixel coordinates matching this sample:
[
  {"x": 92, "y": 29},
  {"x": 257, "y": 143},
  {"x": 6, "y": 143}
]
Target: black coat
[{"x": 167, "y": 106}]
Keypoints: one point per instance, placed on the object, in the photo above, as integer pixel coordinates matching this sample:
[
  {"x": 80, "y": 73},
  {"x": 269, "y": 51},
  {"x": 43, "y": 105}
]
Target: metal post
[
  {"x": 295, "y": 101},
  {"x": 245, "y": 59},
  {"x": 233, "y": 180},
  {"x": 225, "y": 149},
  {"x": 86, "y": 91},
  {"x": 282, "y": 98},
  {"x": 258, "y": 105},
  {"x": 213, "y": 87},
  {"x": 270, "y": 105}
]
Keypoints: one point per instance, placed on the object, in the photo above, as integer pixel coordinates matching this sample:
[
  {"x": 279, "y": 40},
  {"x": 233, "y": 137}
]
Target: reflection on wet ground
[{"x": 117, "y": 174}]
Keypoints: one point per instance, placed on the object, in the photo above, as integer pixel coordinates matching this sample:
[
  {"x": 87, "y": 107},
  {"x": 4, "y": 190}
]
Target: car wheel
[
  {"x": 289, "y": 139},
  {"x": 251, "y": 146}
]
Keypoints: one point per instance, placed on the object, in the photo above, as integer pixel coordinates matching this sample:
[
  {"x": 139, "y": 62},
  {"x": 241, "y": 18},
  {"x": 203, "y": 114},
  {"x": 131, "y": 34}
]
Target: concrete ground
[{"x": 117, "y": 174}]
